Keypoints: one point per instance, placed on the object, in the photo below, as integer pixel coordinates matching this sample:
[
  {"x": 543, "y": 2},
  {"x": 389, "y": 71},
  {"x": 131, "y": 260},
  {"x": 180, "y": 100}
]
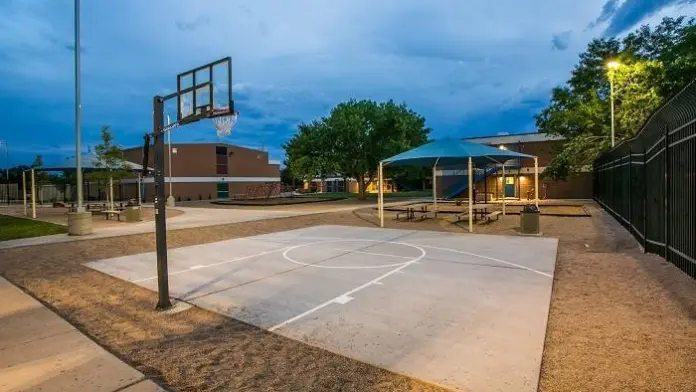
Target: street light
[{"x": 613, "y": 66}]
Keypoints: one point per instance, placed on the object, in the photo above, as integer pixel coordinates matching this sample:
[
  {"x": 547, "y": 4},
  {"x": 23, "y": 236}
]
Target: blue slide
[{"x": 457, "y": 189}]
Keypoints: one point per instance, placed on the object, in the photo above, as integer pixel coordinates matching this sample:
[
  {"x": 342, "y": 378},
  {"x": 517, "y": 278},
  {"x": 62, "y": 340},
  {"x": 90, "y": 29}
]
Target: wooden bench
[
  {"x": 458, "y": 217},
  {"x": 109, "y": 213},
  {"x": 408, "y": 212},
  {"x": 489, "y": 217}
]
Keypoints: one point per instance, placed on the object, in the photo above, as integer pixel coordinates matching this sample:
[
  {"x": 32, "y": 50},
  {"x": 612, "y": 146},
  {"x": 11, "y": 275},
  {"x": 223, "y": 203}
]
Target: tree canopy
[
  {"x": 109, "y": 158},
  {"x": 655, "y": 63},
  {"x": 352, "y": 139}
]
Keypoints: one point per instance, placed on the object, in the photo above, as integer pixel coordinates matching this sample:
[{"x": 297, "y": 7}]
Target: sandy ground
[
  {"x": 59, "y": 216},
  {"x": 620, "y": 320}
]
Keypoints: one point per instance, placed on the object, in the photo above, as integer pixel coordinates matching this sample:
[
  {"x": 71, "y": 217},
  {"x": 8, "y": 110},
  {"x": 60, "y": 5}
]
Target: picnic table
[
  {"x": 410, "y": 212},
  {"x": 479, "y": 212}
]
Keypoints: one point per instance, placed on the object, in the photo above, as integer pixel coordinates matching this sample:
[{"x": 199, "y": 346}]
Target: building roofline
[{"x": 203, "y": 143}]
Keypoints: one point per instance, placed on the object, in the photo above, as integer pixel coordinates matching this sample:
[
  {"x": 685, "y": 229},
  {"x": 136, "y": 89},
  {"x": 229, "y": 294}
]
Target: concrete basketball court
[{"x": 465, "y": 311}]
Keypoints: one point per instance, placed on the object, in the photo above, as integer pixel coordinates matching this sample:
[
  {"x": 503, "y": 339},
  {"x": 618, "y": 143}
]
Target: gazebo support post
[
  {"x": 471, "y": 196},
  {"x": 503, "y": 186},
  {"x": 24, "y": 191},
  {"x": 111, "y": 193},
  {"x": 536, "y": 181},
  {"x": 435, "y": 189},
  {"x": 380, "y": 195},
  {"x": 33, "y": 195},
  {"x": 140, "y": 193}
]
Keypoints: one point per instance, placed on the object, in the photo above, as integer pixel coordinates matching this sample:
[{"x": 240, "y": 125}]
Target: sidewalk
[{"x": 39, "y": 351}]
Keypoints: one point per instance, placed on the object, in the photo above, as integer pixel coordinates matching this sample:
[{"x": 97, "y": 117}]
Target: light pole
[
  {"x": 79, "y": 221},
  {"x": 613, "y": 66}
]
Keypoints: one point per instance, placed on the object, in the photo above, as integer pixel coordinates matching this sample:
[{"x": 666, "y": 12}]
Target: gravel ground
[{"x": 620, "y": 320}]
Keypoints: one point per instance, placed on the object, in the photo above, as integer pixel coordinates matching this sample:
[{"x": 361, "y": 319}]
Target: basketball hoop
[{"x": 224, "y": 120}]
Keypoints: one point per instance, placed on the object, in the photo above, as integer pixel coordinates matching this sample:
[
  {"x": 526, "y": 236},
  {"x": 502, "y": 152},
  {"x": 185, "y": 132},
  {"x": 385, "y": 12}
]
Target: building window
[{"x": 221, "y": 160}]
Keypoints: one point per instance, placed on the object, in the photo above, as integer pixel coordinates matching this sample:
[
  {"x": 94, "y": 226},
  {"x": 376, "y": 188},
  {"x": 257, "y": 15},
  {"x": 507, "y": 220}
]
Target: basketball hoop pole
[
  {"x": 199, "y": 112},
  {"x": 160, "y": 206}
]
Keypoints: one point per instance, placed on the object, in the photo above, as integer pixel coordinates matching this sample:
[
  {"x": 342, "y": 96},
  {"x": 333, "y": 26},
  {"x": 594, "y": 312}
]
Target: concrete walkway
[
  {"x": 40, "y": 351},
  {"x": 192, "y": 217}
]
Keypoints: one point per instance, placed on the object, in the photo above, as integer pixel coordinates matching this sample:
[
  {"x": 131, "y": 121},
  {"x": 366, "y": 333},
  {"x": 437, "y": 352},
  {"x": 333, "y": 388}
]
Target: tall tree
[
  {"x": 352, "y": 140},
  {"x": 655, "y": 63}
]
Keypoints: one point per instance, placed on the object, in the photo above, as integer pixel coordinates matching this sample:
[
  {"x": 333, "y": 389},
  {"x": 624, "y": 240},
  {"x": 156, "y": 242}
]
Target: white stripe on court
[{"x": 351, "y": 292}]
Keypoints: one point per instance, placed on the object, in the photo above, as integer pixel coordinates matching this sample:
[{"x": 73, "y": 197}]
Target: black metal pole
[
  {"x": 666, "y": 194},
  {"x": 630, "y": 191},
  {"x": 645, "y": 201},
  {"x": 160, "y": 211}
]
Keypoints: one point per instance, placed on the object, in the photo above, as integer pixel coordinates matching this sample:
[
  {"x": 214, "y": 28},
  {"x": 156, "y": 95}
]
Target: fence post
[
  {"x": 666, "y": 194},
  {"x": 645, "y": 201}
]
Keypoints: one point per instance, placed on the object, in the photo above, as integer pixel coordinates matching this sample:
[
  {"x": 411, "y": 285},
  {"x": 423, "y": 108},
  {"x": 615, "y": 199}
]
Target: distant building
[
  {"x": 452, "y": 182},
  {"x": 340, "y": 184},
  {"x": 205, "y": 171}
]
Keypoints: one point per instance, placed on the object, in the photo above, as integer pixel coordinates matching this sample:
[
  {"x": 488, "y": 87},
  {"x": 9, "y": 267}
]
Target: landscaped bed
[
  {"x": 12, "y": 228},
  {"x": 277, "y": 201}
]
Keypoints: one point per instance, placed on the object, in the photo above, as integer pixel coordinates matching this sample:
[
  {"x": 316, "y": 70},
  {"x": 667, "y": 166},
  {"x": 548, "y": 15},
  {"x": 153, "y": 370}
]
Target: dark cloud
[
  {"x": 629, "y": 13},
  {"x": 191, "y": 26},
  {"x": 607, "y": 12},
  {"x": 560, "y": 41}
]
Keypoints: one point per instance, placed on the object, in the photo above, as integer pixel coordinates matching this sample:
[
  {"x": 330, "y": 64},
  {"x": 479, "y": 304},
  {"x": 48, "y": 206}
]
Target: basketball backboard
[{"x": 205, "y": 92}]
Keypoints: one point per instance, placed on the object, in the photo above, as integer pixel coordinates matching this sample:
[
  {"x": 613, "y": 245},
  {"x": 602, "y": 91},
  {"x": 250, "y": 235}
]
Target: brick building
[
  {"x": 519, "y": 174},
  {"x": 205, "y": 171}
]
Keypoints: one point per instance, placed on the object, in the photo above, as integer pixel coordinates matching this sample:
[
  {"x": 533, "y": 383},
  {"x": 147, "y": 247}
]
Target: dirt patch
[{"x": 619, "y": 320}]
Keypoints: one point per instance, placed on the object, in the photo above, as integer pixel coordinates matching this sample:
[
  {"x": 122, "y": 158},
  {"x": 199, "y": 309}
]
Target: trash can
[
  {"x": 133, "y": 214},
  {"x": 529, "y": 219}
]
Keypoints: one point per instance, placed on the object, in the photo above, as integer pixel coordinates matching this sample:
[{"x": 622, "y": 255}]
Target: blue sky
[{"x": 474, "y": 67}]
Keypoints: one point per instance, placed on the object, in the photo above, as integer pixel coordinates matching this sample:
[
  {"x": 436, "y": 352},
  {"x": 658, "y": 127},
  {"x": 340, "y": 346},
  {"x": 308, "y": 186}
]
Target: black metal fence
[{"x": 648, "y": 183}]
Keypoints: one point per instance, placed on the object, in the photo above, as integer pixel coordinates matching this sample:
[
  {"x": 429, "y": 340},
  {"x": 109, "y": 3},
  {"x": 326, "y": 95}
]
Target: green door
[
  {"x": 223, "y": 190},
  {"x": 509, "y": 186}
]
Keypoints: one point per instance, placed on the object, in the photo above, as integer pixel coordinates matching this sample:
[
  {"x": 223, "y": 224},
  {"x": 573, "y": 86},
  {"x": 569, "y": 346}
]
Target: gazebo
[
  {"x": 452, "y": 152},
  {"x": 91, "y": 163}
]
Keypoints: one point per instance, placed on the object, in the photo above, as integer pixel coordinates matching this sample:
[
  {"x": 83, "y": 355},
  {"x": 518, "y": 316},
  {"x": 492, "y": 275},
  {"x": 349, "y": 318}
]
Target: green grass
[
  {"x": 12, "y": 228},
  {"x": 394, "y": 195}
]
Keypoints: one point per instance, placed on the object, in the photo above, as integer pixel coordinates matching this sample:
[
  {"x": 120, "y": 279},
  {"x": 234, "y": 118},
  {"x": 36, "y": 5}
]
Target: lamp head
[{"x": 613, "y": 65}]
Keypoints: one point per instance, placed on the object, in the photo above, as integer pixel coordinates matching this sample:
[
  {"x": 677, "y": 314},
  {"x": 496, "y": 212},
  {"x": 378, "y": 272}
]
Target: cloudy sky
[{"x": 471, "y": 67}]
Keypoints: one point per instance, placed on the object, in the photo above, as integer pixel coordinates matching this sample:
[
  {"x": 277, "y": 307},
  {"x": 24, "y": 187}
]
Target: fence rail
[{"x": 648, "y": 183}]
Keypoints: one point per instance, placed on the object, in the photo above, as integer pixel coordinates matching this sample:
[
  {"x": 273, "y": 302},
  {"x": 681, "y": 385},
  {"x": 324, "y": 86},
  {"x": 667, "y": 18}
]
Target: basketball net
[{"x": 223, "y": 124}]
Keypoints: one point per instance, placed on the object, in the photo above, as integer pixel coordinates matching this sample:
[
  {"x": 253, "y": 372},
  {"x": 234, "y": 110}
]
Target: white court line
[
  {"x": 197, "y": 267},
  {"x": 445, "y": 249},
  {"x": 349, "y": 293},
  {"x": 343, "y": 300},
  {"x": 369, "y": 253},
  {"x": 489, "y": 258}
]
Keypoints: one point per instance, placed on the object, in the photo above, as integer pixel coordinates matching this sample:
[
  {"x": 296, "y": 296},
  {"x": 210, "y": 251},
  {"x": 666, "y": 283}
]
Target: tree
[
  {"x": 38, "y": 162},
  {"x": 352, "y": 140},
  {"x": 109, "y": 158},
  {"x": 655, "y": 63}
]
